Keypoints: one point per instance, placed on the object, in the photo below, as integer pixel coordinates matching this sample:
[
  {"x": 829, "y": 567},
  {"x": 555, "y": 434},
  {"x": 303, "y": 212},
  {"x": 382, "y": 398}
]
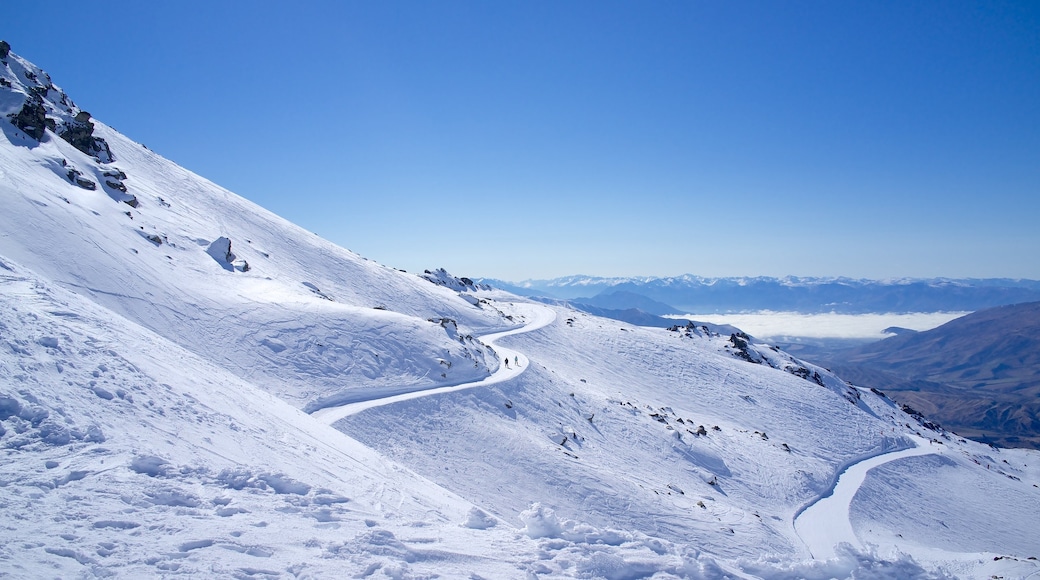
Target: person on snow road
[
  {"x": 507, "y": 362},
  {"x": 516, "y": 361}
]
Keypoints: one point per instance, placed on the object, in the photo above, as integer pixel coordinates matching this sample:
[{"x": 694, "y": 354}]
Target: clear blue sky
[{"x": 537, "y": 139}]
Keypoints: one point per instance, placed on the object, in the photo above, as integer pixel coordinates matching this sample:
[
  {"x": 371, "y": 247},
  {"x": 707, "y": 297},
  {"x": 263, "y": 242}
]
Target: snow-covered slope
[
  {"x": 170, "y": 355},
  {"x": 305, "y": 319},
  {"x": 125, "y": 454},
  {"x": 676, "y": 434}
]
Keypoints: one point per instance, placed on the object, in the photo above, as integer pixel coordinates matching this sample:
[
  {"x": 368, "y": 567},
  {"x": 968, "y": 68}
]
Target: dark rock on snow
[
  {"x": 75, "y": 176},
  {"x": 80, "y": 134},
  {"x": 32, "y": 118}
]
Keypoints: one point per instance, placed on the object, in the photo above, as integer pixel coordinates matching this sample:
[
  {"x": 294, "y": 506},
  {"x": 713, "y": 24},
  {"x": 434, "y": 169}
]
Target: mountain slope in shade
[
  {"x": 163, "y": 340},
  {"x": 627, "y": 300},
  {"x": 979, "y": 374}
]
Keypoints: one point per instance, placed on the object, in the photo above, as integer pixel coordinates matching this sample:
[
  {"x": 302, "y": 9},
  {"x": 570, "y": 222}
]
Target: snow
[
  {"x": 194, "y": 386},
  {"x": 538, "y": 317},
  {"x": 250, "y": 455},
  {"x": 825, "y": 524}
]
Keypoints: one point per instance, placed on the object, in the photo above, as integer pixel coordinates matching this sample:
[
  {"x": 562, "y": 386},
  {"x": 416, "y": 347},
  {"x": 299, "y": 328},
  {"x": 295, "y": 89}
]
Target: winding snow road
[
  {"x": 825, "y": 524},
  {"x": 537, "y": 316}
]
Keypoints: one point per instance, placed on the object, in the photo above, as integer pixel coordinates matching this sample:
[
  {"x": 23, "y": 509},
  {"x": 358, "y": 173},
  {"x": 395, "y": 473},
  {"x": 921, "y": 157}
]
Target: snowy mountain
[
  {"x": 623, "y": 300},
  {"x": 697, "y": 294},
  {"x": 190, "y": 385}
]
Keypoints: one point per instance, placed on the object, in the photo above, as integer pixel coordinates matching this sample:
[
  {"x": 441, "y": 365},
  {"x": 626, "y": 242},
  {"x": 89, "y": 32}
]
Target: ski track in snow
[
  {"x": 825, "y": 524},
  {"x": 537, "y": 317}
]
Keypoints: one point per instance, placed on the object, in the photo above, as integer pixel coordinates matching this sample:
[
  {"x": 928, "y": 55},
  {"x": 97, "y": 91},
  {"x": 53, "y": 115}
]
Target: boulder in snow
[
  {"x": 220, "y": 250},
  {"x": 76, "y": 176}
]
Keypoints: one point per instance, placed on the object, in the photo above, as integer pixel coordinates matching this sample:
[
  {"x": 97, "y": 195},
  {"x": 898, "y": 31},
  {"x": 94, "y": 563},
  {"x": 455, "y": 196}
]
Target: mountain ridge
[
  {"x": 700, "y": 295},
  {"x": 977, "y": 374}
]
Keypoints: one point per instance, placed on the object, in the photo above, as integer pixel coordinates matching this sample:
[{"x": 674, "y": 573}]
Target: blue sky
[{"x": 537, "y": 139}]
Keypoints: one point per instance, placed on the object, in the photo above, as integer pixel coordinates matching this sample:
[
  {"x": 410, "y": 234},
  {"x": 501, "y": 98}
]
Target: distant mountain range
[
  {"x": 979, "y": 375},
  {"x": 696, "y": 294}
]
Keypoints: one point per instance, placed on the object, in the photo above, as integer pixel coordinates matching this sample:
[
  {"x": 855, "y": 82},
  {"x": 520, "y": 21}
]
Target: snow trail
[
  {"x": 537, "y": 316},
  {"x": 825, "y": 523}
]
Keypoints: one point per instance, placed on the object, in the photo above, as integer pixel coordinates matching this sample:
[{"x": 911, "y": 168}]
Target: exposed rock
[
  {"x": 920, "y": 418},
  {"x": 5, "y": 49},
  {"x": 445, "y": 322},
  {"x": 441, "y": 277},
  {"x": 742, "y": 348},
  {"x": 801, "y": 371},
  {"x": 80, "y": 134},
  {"x": 220, "y": 250},
  {"x": 39, "y": 91},
  {"x": 75, "y": 176},
  {"x": 32, "y": 118},
  {"x": 117, "y": 185}
]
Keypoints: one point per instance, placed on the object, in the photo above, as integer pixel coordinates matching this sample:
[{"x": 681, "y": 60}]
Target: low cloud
[{"x": 771, "y": 325}]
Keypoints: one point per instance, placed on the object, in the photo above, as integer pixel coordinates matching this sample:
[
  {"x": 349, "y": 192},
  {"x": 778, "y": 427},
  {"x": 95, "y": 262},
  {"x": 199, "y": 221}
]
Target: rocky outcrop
[
  {"x": 46, "y": 106},
  {"x": 441, "y": 277},
  {"x": 741, "y": 346},
  {"x": 113, "y": 179},
  {"x": 31, "y": 118},
  {"x": 79, "y": 132},
  {"x": 76, "y": 176}
]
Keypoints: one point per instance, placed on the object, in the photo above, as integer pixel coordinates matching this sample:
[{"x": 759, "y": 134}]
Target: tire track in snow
[
  {"x": 538, "y": 316},
  {"x": 825, "y": 523}
]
